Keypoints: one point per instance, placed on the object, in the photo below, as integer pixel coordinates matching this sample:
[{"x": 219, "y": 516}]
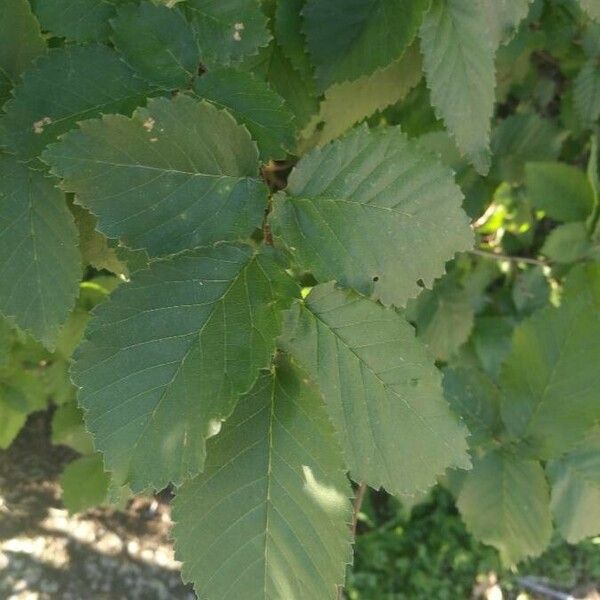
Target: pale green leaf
[
  {"x": 348, "y": 103},
  {"x": 254, "y": 104},
  {"x": 94, "y": 247},
  {"x": 64, "y": 87},
  {"x": 592, "y": 8},
  {"x": 84, "y": 483},
  {"x": 12, "y": 420},
  {"x": 350, "y": 38},
  {"x": 504, "y": 502},
  {"x": 22, "y": 42},
  {"x": 459, "y": 66},
  {"x": 550, "y": 379},
  {"x": 503, "y": 18},
  {"x": 520, "y": 139},
  {"x": 228, "y": 30},
  {"x": 476, "y": 399},
  {"x": 575, "y": 498},
  {"x": 563, "y": 192},
  {"x": 373, "y": 211},
  {"x": 68, "y": 429},
  {"x": 39, "y": 260},
  {"x": 567, "y": 243},
  {"x": 383, "y": 393},
  {"x": 166, "y": 358},
  {"x": 443, "y": 317},
  {"x": 587, "y": 91},
  {"x": 157, "y": 42},
  {"x": 77, "y": 20},
  {"x": 178, "y": 174},
  {"x": 269, "y": 517}
]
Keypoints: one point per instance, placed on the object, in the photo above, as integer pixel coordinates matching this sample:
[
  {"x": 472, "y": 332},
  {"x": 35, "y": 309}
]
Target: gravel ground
[{"x": 104, "y": 554}]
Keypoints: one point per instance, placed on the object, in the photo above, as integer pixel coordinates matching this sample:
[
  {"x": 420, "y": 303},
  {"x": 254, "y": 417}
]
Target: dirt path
[{"x": 47, "y": 554}]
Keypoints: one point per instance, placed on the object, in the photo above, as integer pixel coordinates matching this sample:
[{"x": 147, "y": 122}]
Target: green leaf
[
  {"x": 503, "y": 18},
  {"x": 68, "y": 429},
  {"x": 476, "y": 399},
  {"x": 567, "y": 243},
  {"x": 563, "y": 192},
  {"x": 12, "y": 420},
  {"x": 84, "y": 483},
  {"x": 22, "y": 42},
  {"x": 289, "y": 35},
  {"x": 407, "y": 204},
  {"x": 38, "y": 252},
  {"x": 157, "y": 42},
  {"x": 228, "y": 30},
  {"x": 254, "y": 104},
  {"x": 531, "y": 290},
  {"x": 298, "y": 92},
  {"x": 504, "y": 502},
  {"x": 459, "y": 66},
  {"x": 176, "y": 175},
  {"x": 443, "y": 317},
  {"x": 368, "y": 94},
  {"x": 269, "y": 517},
  {"x": 587, "y": 91},
  {"x": 520, "y": 139},
  {"x": 382, "y": 392},
  {"x": 77, "y": 20},
  {"x": 592, "y": 8},
  {"x": 350, "y": 38},
  {"x": 550, "y": 395},
  {"x": 69, "y": 84},
  {"x": 575, "y": 499},
  {"x": 166, "y": 358}
]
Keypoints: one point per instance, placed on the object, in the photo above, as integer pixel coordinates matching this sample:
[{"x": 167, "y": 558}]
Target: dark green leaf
[{"x": 177, "y": 175}]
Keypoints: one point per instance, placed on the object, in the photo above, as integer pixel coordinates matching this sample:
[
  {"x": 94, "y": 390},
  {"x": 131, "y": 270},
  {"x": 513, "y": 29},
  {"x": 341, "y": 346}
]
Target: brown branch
[
  {"x": 498, "y": 256},
  {"x": 361, "y": 490}
]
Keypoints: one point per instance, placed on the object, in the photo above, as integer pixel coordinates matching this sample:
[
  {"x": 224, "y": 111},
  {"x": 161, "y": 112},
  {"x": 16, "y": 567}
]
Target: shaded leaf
[
  {"x": 38, "y": 252},
  {"x": 550, "y": 395},
  {"x": 443, "y": 317},
  {"x": 587, "y": 91},
  {"x": 254, "y": 104},
  {"x": 458, "y": 59},
  {"x": 166, "y": 358},
  {"x": 367, "y": 94},
  {"x": 520, "y": 139},
  {"x": 176, "y": 175},
  {"x": 269, "y": 517},
  {"x": 84, "y": 483},
  {"x": 575, "y": 499},
  {"x": 350, "y": 38},
  {"x": 22, "y": 42},
  {"x": 563, "y": 192},
  {"x": 567, "y": 243},
  {"x": 157, "y": 42},
  {"x": 228, "y": 30},
  {"x": 476, "y": 399},
  {"x": 407, "y": 204},
  {"x": 68, "y": 429},
  {"x": 63, "y": 88},
  {"x": 78, "y": 20},
  {"x": 382, "y": 392},
  {"x": 504, "y": 502}
]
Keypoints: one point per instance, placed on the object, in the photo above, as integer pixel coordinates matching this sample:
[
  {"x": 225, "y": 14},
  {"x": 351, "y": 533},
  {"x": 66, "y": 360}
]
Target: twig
[
  {"x": 358, "y": 500},
  {"x": 534, "y": 586},
  {"x": 498, "y": 256}
]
